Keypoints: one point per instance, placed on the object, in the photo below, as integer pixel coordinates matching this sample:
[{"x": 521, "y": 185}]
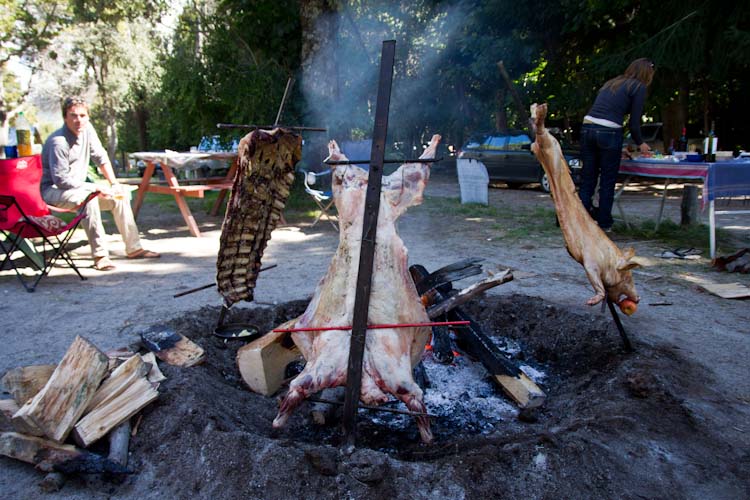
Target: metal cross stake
[
  {"x": 624, "y": 336},
  {"x": 367, "y": 251}
]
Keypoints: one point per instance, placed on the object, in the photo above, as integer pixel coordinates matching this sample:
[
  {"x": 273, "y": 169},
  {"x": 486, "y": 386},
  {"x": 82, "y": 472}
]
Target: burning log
[
  {"x": 516, "y": 384},
  {"x": 476, "y": 344},
  {"x": 606, "y": 266},
  {"x": 56, "y": 408},
  {"x": 261, "y": 187},
  {"x": 172, "y": 347},
  {"x": 467, "y": 293},
  {"x": 25, "y": 382},
  {"x": 49, "y": 456}
]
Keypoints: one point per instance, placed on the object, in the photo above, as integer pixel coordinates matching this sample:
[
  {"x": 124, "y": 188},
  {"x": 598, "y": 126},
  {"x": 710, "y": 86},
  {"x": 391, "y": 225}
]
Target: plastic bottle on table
[{"x": 23, "y": 136}]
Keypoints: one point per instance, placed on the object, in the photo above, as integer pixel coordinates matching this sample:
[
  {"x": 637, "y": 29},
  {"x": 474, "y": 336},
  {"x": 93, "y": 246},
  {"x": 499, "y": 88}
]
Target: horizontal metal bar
[
  {"x": 354, "y": 162},
  {"x": 270, "y": 127},
  {"x": 373, "y": 327},
  {"x": 374, "y": 408}
]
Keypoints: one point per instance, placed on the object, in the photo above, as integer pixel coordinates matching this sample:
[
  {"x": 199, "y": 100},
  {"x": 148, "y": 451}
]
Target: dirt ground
[{"x": 668, "y": 421}]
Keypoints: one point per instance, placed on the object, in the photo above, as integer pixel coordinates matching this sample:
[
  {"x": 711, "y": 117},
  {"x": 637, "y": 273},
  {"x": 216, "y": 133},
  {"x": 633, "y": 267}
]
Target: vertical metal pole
[
  {"x": 283, "y": 99},
  {"x": 624, "y": 336},
  {"x": 367, "y": 249}
]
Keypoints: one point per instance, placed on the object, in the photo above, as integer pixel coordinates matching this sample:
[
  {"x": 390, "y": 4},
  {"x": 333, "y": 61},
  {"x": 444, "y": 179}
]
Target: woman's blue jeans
[{"x": 601, "y": 150}]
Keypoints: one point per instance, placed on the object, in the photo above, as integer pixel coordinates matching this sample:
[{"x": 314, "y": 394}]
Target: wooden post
[
  {"x": 367, "y": 251},
  {"x": 689, "y": 205}
]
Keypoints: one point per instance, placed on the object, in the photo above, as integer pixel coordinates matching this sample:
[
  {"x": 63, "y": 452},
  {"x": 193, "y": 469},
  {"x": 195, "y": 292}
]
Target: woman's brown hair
[{"x": 641, "y": 70}]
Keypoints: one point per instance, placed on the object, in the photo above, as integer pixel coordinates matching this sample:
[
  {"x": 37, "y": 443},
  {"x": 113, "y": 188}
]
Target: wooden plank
[
  {"x": 118, "y": 381},
  {"x": 369, "y": 234},
  {"x": 62, "y": 401},
  {"x": 49, "y": 456},
  {"x": 154, "y": 374},
  {"x": 172, "y": 347},
  {"x": 25, "y": 382},
  {"x": 112, "y": 413},
  {"x": 727, "y": 290},
  {"x": 262, "y": 363}
]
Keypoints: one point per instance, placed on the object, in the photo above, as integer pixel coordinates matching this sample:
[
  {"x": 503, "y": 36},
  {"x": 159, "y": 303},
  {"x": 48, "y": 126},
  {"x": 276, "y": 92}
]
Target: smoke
[{"x": 340, "y": 74}]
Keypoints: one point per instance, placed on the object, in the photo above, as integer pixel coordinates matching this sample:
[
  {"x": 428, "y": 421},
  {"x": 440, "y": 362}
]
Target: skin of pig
[
  {"x": 390, "y": 354},
  {"x": 607, "y": 268}
]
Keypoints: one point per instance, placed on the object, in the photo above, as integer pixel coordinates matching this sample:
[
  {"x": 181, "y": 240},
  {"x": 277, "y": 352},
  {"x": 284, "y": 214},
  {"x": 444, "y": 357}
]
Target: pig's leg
[
  {"x": 592, "y": 272},
  {"x": 314, "y": 378},
  {"x": 412, "y": 396}
]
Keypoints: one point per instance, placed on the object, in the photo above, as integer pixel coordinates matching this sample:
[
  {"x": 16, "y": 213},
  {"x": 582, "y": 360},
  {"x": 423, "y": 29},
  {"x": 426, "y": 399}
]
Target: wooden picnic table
[{"x": 195, "y": 188}]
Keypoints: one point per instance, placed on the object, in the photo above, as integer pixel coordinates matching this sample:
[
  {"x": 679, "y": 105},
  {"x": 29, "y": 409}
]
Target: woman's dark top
[{"x": 613, "y": 106}]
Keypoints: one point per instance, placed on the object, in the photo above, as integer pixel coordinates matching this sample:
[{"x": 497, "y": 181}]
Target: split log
[
  {"x": 442, "y": 346},
  {"x": 62, "y": 401},
  {"x": 109, "y": 415},
  {"x": 171, "y": 347},
  {"x": 25, "y": 382},
  {"x": 467, "y": 293},
  {"x": 121, "y": 378},
  {"x": 154, "y": 374},
  {"x": 508, "y": 376},
  {"x": 262, "y": 362},
  {"x": 8, "y": 408},
  {"x": 49, "y": 456}
]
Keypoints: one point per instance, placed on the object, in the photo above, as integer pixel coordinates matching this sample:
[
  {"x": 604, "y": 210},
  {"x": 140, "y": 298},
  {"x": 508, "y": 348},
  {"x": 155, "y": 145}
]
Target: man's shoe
[{"x": 103, "y": 264}]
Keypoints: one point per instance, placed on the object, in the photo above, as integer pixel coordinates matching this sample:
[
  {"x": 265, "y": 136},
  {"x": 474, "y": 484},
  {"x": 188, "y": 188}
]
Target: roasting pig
[
  {"x": 390, "y": 354},
  {"x": 607, "y": 268}
]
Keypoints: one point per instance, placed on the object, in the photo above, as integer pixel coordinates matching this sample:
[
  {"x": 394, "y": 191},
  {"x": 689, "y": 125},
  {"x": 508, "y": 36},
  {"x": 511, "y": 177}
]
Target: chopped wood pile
[{"x": 56, "y": 412}]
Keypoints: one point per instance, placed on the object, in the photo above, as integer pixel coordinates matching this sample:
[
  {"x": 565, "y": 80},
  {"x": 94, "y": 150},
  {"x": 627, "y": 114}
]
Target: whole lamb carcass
[
  {"x": 607, "y": 268},
  {"x": 390, "y": 354}
]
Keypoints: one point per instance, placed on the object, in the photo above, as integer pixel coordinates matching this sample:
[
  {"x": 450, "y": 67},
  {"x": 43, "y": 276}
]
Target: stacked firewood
[{"x": 56, "y": 412}]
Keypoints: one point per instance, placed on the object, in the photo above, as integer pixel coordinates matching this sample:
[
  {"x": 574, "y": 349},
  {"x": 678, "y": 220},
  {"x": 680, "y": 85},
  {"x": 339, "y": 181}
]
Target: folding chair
[
  {"x": 24, "y": 214},
  {"x": 324, "y": 199}
]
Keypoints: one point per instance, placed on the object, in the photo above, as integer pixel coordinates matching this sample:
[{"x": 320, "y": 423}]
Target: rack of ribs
[
  {"x": 606, "y": 266},
  {"x": 261, "y": 187},
  {"x": 390, "y": 354}
]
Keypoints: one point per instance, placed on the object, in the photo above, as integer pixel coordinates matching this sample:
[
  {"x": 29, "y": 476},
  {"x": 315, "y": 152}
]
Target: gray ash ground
[{"x": 615, "y": 425}]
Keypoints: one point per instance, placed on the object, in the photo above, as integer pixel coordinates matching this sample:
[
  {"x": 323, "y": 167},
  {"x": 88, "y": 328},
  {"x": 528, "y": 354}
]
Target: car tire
[{"x": 544, "y": 182}]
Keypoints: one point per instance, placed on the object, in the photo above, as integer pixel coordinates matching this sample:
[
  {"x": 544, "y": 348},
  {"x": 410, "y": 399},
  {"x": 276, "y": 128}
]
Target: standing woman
[{"x": 601, "y": 135}]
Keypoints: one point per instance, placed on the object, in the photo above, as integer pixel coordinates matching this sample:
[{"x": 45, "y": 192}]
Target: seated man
[{"x": 65, "y": 159}]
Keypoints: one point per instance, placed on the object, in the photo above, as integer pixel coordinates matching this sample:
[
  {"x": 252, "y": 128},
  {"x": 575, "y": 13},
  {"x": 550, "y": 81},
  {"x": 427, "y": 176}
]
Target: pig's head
[{"x": 622, "y": 291}]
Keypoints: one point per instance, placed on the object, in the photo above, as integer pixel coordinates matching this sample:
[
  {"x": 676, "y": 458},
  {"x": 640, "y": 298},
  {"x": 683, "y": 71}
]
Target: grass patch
[
  {"x": 509, "y": 222},
  {"x": 671, "y": 234}
]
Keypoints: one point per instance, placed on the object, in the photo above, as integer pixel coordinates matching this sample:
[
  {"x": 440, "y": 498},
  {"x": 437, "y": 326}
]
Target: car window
[
  {"x": 516, "y": 142},
  {"x": 494, "y": 142}
]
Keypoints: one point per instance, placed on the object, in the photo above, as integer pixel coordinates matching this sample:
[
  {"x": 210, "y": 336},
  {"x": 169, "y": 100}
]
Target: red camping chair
[{"x": 24, "y": 214}]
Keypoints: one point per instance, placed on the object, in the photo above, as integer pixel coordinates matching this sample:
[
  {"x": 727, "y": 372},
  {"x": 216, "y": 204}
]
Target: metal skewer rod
[
  {"x": 269, "y": 127},
  {"x": 354, "y": 162},
  {"x": 374, "y": 408},
  {"x": 203, "y": 287},
  {"x": 624, "y": 336},
  {"x": 374, "y": 327},
  {"x": 283, "y": 99}
]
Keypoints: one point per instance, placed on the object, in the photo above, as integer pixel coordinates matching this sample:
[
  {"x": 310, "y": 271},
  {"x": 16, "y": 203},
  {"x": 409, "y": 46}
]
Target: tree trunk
[{"x": 501, "y": 117}]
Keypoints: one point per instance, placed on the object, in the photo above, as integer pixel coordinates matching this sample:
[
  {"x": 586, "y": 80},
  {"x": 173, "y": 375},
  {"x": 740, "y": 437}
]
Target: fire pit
[{"x": 612, "y": 423}]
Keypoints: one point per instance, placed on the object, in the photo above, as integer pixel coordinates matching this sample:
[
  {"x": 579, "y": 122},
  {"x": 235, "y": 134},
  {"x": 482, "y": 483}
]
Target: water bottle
[{"x": 23, "y": 136}]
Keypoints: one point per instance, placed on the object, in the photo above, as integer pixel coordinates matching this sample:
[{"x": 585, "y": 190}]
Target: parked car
[{"x": 509, "y": 159}]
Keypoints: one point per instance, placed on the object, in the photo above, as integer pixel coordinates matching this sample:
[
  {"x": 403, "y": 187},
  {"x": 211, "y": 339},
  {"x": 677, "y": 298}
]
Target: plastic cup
[{"x": 11, "y": 151}]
